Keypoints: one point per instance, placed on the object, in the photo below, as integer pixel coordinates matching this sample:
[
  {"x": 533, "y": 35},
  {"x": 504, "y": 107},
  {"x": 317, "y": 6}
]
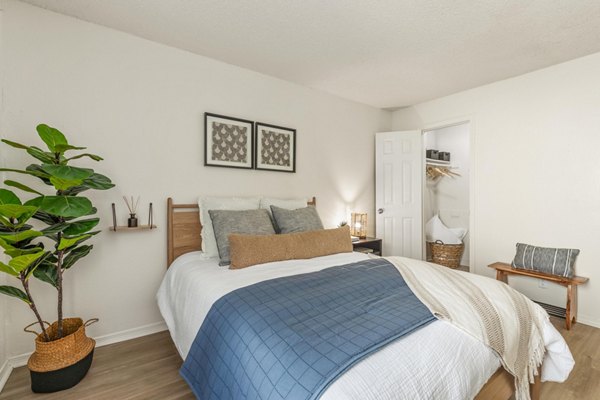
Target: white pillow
[
  {"x": 436, "y": 230},
  {"x": 288, "y": 204},
  {"x": 209, "y": 243}
]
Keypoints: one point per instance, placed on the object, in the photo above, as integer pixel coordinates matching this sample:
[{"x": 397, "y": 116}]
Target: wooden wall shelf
[
  {"x": 137, "y": 228},
  {"x": 122, "y": 228}
]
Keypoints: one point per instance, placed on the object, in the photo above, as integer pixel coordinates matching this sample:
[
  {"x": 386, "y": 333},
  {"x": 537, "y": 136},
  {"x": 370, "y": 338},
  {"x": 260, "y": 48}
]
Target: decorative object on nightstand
[
  {"x": 130, "y": 226},
  {"x": 369, "y": 245},
  {"x": 63, "y": 351},
  {"x": 359, "y": 225}
]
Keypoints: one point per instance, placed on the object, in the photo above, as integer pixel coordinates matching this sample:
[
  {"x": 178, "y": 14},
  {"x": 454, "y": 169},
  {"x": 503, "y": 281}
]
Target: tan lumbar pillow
[{"x": 248, "y": 250}]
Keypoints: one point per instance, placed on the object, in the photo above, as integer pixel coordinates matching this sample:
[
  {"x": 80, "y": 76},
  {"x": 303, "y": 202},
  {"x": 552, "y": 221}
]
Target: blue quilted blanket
[{"x": 291, "y": 337}]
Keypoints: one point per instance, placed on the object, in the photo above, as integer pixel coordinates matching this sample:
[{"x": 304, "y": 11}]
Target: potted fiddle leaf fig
[{"x": 63, "y": 351}]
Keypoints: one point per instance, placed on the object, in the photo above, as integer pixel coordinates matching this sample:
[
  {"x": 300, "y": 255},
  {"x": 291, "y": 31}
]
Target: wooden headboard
[{"x": 183, "y": 228}]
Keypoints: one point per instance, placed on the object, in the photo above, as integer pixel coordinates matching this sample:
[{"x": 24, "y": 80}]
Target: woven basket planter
[
  {"x": 62, "y": 363},
  {"x": 448, "y": 255}
]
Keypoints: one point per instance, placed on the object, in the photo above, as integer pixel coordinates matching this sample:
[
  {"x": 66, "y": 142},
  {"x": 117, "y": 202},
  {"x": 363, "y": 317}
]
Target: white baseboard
[
  {"x": 5, "y": 371},
  {"x": 584, "y": 319},
  {"x": 128, "y": 334}
]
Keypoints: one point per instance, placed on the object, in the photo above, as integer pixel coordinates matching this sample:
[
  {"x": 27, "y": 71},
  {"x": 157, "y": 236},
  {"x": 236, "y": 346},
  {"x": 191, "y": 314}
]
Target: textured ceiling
[{"x": 386, "y": 53}]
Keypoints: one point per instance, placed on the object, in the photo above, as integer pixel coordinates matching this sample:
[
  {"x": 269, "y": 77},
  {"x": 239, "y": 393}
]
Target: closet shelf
[{"x": 431, "y": 161}]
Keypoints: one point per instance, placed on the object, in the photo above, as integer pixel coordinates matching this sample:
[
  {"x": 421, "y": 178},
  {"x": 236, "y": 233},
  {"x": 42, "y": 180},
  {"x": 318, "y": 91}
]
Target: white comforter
[{"x": 435, "y": 362}]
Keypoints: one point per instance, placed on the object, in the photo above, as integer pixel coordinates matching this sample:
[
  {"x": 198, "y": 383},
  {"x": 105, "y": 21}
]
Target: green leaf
[
  {"x": 16, "y": 210},
  {"x": 75, "y": 190},
  {"x": 98, "y": 182},
  {"x": 34, "y": 266},
  {"x": 8, "y": 269},
  {"x": 64, "y": 184},
  {"x": 63, "y": 206},
  {"x": 15, "y": 252},
  {"x": 21, "y": 186},
  {"x": 15, "y": 292},
  {"x": 5, "y": 245},
  {"x": 69, "y": 242},
  {"x": 76, "y": 254},
  {"x": 45, "y": 217},
  {"x": 16, "y": 237},
  {"x": 46, "y": 272},
  {"x": 61, "y": 148},
  {"x": 37, "y": 171},
  {"x": 79, "y": 227},
  {"x": 54, "y": 228},
  {"x": 12, "y": 212},
  {"x": 67, "y": 172},
  {"x": 15, "y": 144},
  {"x": 8, "y": 197},
  {"x": 51, "y": 136},
  {"x": 20, "y": 171},
  {"x": 43, "y": 156},
  {"x": 92, "y": 156},
  {"x": 23, "y": 262}
]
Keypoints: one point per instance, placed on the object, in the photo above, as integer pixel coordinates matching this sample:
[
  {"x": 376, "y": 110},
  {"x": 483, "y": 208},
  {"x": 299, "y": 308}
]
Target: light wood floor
[{"x": 147, "y": 368}]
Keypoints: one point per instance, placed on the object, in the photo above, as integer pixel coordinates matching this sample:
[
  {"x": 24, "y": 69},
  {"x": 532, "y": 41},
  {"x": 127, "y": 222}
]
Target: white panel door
[{"x": 398, "y": 192}]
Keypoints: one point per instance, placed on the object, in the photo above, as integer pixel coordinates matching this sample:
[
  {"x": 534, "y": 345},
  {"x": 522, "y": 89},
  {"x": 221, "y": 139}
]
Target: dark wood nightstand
[{"x": 369, "y": 245}]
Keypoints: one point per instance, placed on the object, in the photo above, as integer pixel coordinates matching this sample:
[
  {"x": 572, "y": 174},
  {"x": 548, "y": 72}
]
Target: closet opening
[{"x": 447, "y": 195}]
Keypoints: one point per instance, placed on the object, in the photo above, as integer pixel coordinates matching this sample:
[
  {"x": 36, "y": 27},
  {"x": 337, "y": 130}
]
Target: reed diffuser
[{"x": 132, "y": 221}]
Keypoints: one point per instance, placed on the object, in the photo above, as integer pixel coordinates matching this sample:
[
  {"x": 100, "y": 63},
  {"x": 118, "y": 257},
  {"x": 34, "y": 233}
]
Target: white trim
[
  {"x": 128, "y": 334},
  {"x": 587, "y": 320},
  {"x": 470, "y": 120},
  {"x": 18, "y": 361},
  {"x": 5, "y": 374}
]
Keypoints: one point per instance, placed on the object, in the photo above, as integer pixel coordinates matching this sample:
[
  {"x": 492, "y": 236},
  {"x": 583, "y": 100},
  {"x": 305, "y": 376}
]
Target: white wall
[
  {"x": 536, "y": 170},
  {"x": 3, "y": 314},
  {"x": 140, "y": 105},
  {"x": 450, "y": 196}
]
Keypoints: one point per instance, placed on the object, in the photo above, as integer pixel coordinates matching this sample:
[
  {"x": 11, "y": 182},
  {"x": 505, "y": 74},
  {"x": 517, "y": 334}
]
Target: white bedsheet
[{"x": 435, "y": 362}]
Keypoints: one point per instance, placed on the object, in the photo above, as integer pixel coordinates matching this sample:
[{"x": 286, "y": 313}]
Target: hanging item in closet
[
  {"x": 438, "y": 171},
  {"x": 438, "y": 165}
]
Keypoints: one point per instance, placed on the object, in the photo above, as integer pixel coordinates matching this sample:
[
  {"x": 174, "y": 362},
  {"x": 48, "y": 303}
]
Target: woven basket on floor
[
  {"x": 70, "y": 349},
  {"x": 448, "y": 255}
]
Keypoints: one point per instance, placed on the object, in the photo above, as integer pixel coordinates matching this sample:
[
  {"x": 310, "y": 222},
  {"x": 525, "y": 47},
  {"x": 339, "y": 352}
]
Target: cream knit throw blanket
[{"x": 487, "y": 309}]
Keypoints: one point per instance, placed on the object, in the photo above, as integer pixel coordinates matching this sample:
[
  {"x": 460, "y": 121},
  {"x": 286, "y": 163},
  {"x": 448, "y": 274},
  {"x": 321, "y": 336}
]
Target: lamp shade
[{"x": 358, "y": 226}]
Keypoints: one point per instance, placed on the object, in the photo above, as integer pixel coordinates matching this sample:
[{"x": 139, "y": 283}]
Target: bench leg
[
  {"x": 502, "y": 276},
  {"x": 535, "y": 388},
  {"x": 571, "y": 313}
]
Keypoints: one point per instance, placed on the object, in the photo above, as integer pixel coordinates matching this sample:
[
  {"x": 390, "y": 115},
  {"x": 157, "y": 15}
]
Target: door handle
[{"x": 380, "y": 211}]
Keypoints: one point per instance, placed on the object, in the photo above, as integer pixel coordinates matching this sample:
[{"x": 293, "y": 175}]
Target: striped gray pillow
[
  {"x": 299, "y": 220},
  {"x": 226, "y": 222},
  {"x": 543, "y": 259}
]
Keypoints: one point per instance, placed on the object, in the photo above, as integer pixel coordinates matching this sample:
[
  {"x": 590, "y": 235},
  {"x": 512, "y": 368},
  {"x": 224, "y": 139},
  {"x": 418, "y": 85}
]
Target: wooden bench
[{"x": 503, "y": 270}]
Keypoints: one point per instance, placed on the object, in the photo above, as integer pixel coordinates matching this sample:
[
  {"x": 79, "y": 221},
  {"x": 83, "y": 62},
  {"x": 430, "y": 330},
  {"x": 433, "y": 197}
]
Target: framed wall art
[
  {"x": 228, "y": 141},
  {"x": 275, "y": 148}
]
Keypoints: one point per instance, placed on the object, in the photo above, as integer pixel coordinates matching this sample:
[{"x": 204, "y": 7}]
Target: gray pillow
[
  {"x": 226, "y": 222},
  {"x": 299, "y": 220},
  {"x": 548, "y": 260}
]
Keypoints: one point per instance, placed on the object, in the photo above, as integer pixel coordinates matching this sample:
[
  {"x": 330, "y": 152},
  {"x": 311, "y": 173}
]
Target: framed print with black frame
[
  {"x": 228, "y": 141},
  {"x": 275, "y": 148}
]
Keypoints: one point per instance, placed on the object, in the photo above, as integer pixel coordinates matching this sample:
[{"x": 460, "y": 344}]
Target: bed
[{"x": 423, "y": 365}]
